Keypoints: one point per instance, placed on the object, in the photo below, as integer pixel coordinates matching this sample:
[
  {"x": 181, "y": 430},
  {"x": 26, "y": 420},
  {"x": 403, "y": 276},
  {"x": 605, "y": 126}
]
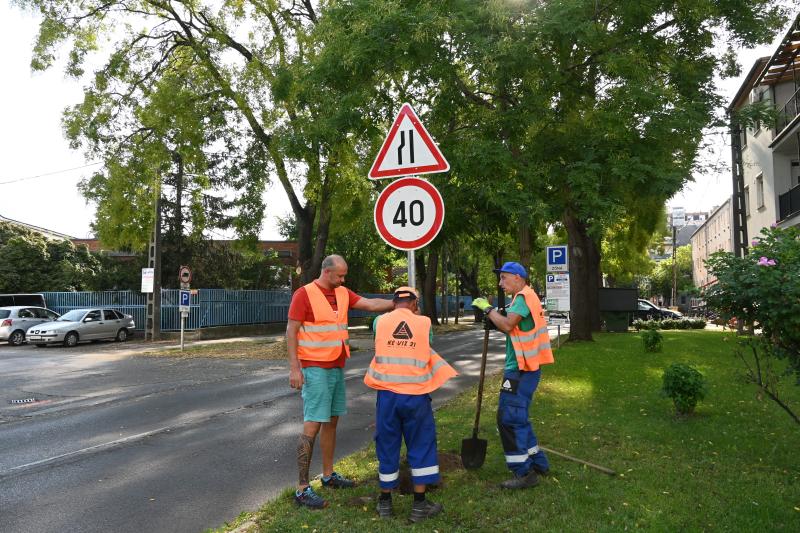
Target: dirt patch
[{"x": 227, "y": 350}]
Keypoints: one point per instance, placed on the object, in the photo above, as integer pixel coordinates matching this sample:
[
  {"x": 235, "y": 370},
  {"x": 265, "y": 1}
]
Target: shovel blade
[{"x": 473, "y": 453}]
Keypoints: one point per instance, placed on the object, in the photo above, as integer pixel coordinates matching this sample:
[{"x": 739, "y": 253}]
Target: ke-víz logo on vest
[{"x": 403, "y": 331}]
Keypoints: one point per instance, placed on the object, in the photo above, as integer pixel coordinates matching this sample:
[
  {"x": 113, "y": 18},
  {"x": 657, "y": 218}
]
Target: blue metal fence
[{"x": 208, "y": 307}]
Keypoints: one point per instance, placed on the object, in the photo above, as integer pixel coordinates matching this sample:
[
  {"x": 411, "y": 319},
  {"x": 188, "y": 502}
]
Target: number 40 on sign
[{"x": 409, "y": 213}]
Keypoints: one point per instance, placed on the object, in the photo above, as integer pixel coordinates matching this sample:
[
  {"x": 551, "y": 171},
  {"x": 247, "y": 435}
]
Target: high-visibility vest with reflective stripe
[
  {"x": 322, "y": 339},
  {"x": 532, "y": 348},
  {"x": 404, "y": 361}
]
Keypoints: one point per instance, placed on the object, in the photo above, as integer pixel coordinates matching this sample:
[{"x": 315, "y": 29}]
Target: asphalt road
[{"x": 121, "y": 443}]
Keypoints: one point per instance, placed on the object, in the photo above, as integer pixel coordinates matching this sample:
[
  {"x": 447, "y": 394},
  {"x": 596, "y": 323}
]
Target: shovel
[{"x": 473, "y": 451}]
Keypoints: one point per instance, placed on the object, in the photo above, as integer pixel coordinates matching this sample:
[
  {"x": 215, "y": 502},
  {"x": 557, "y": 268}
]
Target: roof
[
  {"x": 785, "y": 58},
  {"x": 749, "y": 82},
  {"x": 37, "y": 229},
  {"x": 711, "y": 215}
]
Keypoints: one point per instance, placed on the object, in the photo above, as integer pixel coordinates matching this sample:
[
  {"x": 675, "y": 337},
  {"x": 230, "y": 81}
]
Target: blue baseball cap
[{"x": 513, "y": 268}]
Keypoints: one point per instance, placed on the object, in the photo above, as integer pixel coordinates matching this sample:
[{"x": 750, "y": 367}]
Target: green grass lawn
[{"x": 733, "y": 466}]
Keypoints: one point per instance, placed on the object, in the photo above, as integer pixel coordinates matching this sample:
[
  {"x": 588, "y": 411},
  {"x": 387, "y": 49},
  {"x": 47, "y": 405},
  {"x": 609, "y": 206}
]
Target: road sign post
[
  {"x": 410, "y": 211},
  {"x": 184, "y": 301}
]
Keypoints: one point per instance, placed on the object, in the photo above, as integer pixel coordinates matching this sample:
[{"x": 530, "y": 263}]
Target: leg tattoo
[{"x": 304, "y": 449}]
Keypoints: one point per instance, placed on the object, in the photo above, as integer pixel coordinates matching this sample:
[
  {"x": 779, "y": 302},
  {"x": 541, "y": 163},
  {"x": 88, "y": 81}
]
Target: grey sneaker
[
  {"x": 384, "y": 508},
  {"x": 309, "y": 498},
  {"x": 338, "y": 482},
  {"x": 531, "y": 479},
  {"x": 424, "y": 509}
]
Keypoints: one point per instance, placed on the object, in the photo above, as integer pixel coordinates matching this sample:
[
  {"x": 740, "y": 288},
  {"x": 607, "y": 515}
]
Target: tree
[
  {"x": 208, "y": 96},
  {"x": 662, "y": 277},
  {"x": 626, "y": 244},
  {"x": 29, "y": 262},
  {"x": 579, "y": 110}
]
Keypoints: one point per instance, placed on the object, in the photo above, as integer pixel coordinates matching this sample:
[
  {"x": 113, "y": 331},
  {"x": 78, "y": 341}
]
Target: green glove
[{"x": 482, "y": 304}]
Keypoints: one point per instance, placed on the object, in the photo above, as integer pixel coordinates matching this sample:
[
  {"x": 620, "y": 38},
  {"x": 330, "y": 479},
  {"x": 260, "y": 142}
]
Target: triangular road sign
[{"x": 408, "y": 149}]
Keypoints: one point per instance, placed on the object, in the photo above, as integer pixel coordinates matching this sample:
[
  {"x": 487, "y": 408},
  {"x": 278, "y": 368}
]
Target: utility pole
[
  {"x": 152, "y": 330},
  {"x": 674, "y": 297}
]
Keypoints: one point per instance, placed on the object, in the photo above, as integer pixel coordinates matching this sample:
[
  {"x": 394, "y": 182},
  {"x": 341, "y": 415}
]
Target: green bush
[
  {"x": 685, "y": 385},
  {"x": 684, "y": 323},
  {"x": 652, "y": 340}
]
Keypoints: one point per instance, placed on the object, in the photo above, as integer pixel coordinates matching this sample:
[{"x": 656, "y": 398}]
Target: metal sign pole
[
  {"x": 412, "y": 270},
  {"x": 558, "y": 339},
  {"x": 183, "y": 321}
]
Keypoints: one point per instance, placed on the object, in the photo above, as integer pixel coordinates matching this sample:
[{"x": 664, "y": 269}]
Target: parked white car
[
  {"x": 16, "y": 319},
  {"x": 83, "y": 325}
]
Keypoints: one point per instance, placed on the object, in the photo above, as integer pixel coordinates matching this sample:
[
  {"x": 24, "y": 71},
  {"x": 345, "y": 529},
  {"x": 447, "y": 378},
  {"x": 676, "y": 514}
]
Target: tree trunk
[
  {"x": 525, "y": 245},
  {"x": 501, "y": 296},
  {"x": 584, "y": 265},
  {"x": 426, "y": 269},
  {"x": 469, "y": 282}
]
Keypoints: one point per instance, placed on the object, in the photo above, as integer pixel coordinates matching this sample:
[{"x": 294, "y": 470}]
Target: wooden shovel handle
[
  {"x": 581, "y": 461},
  {"x": 480, "y": 382}
]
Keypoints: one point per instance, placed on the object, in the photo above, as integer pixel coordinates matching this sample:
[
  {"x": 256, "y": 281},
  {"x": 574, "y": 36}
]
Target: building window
[
  {"x": 795, "y": 180},
  {"x": 760, "y": 191},
  {"x": 747, "y": 201},
  {"x": 743, "y": 137}
]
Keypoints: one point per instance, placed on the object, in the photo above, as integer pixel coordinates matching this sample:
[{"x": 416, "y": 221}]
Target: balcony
[
  {"x": 789, "y": 203},
  {"x": 787, "y": 113}
]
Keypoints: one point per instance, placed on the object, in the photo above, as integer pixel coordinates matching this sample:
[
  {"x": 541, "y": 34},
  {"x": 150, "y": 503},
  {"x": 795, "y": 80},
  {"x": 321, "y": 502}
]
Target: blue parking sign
[
  {"x": 185, "y": 298},
  {"x": 557, "y": 260}
]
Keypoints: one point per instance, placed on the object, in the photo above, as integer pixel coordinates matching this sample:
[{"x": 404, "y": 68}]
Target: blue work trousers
[
  {"x": 520, "y": 445},
  {"x": 409, "y": 417}
]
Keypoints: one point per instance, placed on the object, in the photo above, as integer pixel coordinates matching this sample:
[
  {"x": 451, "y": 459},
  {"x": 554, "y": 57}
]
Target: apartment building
[
  {"x": 766, "y": 156},
  {"x": 714, "y": 235}
]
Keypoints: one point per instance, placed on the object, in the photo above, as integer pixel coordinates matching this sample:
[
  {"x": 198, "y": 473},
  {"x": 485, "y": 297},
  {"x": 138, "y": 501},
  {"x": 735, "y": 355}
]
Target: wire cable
[{"x": 15, "y": 180}]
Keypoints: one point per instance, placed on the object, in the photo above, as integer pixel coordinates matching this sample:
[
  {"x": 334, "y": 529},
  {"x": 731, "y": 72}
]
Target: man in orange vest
[
  {"x": 404, "y": 371},
  {"x": 318, "y": 345},
  {"x": 527, "y": 348}
]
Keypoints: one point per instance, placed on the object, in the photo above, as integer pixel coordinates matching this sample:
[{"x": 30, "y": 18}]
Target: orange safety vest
[
  {"x": 532, "y": 348},
  {"x": 404, "y": 361},
  {"x": 322, "y": 339}
]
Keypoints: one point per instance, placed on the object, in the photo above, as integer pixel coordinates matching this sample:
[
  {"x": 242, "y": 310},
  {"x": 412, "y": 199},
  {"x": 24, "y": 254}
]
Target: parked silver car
[
  {"x": 16, "y": 319},
  {"x": 83, "y": 325}
]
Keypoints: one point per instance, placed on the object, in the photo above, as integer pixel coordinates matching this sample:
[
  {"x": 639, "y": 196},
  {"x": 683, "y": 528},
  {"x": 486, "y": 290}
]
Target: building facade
[
  {"x": 714, "y": 235},
  {"x": 766, "y": 155}
]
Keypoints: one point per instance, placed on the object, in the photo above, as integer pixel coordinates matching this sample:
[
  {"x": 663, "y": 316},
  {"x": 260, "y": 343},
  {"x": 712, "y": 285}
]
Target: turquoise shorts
[{"x": 323, "y": 394}]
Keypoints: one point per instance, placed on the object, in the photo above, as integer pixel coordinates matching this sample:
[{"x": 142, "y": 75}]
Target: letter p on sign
[{"x": 557, "y": 260}]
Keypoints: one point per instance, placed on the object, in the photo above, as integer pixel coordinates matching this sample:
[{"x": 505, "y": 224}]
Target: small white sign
[
  {"x": 557, "y": 287},
  {"x": 557, "y": 321},
  {"x": 148, "y": 275}
]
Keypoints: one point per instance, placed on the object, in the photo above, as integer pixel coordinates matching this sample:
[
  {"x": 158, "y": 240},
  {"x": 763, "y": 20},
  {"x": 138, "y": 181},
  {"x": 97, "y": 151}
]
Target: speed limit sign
[{"x": 409, "y": 213}]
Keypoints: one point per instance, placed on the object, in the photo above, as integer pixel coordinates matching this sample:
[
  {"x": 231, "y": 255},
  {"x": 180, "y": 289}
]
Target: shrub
[
  {"x": 652, "y": 340},
  {"x": 684, "y": 323},
  {"x": 685, "y": 385},
  {"x": 762, "y": 291}
]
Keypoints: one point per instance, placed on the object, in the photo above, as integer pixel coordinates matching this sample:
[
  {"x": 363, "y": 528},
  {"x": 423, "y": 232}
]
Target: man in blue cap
[{"x": 527, "y": 348}]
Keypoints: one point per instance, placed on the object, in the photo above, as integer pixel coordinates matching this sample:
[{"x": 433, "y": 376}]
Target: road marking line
[{"x": 84, "y": 450}]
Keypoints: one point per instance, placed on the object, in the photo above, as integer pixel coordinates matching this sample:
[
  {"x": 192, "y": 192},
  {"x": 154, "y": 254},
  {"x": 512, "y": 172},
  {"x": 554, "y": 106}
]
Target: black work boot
[
  {"x": 531, "y": 479},
  {"x": 424, "y": 509}
]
